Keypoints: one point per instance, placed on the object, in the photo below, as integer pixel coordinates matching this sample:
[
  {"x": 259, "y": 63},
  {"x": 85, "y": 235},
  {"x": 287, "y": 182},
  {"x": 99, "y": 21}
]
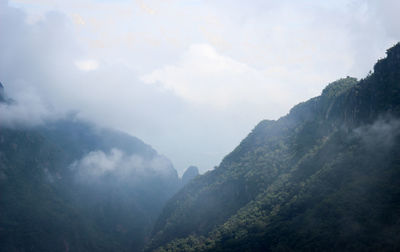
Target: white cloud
[
  {"x": 27, "y": 110},
  {"x": 207, "y": 77},
  {"x": 98, "y": 163},
  {"x": 132, "y": 168},
  {"x": 204, "y": 76},
  {"x": 87, "y": 65},
  {"x": 252, "y": 60},
  {"x": 381, "y": 134}
]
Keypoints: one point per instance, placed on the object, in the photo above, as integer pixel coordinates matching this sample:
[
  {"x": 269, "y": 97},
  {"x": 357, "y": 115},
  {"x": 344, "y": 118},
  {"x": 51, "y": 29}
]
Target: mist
[
  {"x": 26, "y": 109},
  {"x": 197, "y": 74},
  {"x": 381, "y": 134},
  {"x": 199, "y": 125},
  {"x": 97, "y": 165}
]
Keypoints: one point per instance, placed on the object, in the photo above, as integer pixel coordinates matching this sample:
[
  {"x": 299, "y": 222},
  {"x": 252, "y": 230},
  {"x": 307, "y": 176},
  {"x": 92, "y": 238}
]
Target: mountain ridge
[
  {"x": 257, "y": 191},
  {"x": 70, "y": 185}
]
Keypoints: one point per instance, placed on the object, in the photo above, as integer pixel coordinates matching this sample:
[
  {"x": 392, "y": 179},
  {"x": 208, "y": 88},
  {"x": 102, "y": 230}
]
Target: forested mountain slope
[
  {"x": 68, "y": 185},
  {"x": 324, "y": 177}
]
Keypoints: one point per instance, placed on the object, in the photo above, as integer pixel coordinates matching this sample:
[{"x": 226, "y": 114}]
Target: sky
[{"x": 189, "y": 77}]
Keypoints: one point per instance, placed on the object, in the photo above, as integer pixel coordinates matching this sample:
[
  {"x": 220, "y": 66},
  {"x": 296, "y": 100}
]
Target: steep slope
[
  {"x": 321, "y": 178},
  {"x": 70, "y": 186}
]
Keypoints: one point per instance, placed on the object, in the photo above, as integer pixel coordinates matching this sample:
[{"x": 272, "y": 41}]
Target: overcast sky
[{"x": 191, "y": 78}]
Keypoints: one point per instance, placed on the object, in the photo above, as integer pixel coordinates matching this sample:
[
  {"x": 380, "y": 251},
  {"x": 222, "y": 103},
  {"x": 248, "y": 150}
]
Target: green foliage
[
  {"x": 338, "y": 87},
  {"x": 321, "y": 178}
]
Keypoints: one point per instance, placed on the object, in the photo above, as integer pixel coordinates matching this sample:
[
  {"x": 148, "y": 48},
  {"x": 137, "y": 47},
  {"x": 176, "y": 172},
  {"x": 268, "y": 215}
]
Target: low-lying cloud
[
  {"x": 116, "y": 163},
  {"x": 25, "y": 111},
  {"x": 381, "y": 134},
  {"x": 222, "y": 65}
]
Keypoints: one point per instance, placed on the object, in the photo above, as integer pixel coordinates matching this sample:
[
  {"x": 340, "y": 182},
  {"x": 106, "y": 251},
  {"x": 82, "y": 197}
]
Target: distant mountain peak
[
  {"x": 2, "y": 99},
  {"x": 190, "y": 173}
]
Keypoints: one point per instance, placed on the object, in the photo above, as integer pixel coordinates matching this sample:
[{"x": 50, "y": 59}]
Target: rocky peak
[{"x": 190, "y": 173}]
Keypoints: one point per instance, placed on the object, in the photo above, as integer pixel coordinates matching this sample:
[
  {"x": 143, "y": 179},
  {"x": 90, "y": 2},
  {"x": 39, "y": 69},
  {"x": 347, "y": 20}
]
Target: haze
[{"x": 191, "y": 78}]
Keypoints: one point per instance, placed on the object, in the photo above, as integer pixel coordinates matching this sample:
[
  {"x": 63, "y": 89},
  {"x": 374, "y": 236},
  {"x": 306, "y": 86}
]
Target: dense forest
[{"x": 324, "y": 177}]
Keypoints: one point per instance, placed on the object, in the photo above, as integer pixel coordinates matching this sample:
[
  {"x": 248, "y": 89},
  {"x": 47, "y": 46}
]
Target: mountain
[
  {"x": 69, "y": 185},
  {"x": 190, "y": 173},
  {"x": 322, "y": 178},
  {"x": 2, "y": 98}
]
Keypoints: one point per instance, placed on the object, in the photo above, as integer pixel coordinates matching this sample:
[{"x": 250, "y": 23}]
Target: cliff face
[{"x": 320, "y": 178}]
